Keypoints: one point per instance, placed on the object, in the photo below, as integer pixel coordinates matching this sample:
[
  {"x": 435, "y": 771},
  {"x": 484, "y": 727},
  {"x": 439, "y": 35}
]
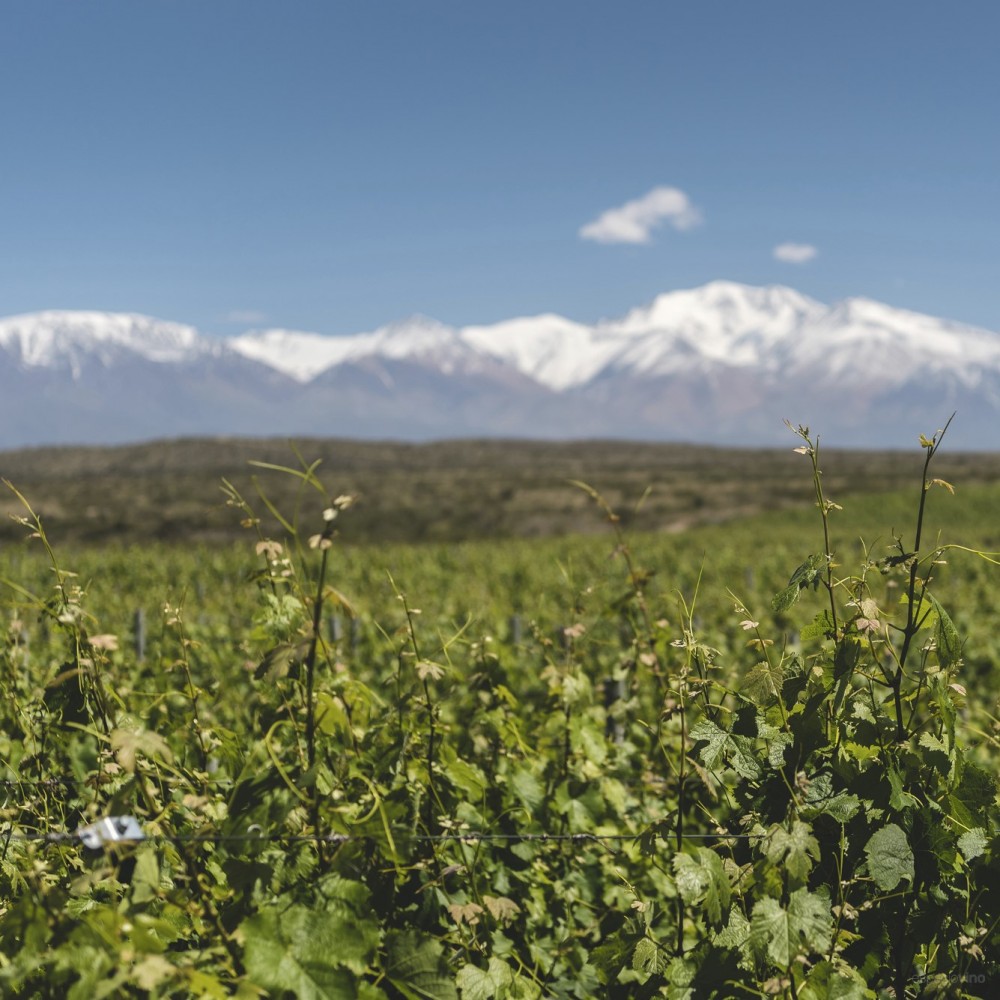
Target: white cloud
[
  {"x": 635, "y": 221},
  {"x": 795, "y": 253},
  {"x": 251, "y": 316}
]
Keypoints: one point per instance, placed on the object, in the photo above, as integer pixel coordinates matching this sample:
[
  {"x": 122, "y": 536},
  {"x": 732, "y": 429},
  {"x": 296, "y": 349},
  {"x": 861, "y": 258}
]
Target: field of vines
[{"x": 749, "y": 760}]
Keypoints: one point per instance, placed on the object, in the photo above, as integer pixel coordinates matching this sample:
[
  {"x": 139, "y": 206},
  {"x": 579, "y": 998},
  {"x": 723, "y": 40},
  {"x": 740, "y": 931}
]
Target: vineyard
[{"x": 745, "y": 760}]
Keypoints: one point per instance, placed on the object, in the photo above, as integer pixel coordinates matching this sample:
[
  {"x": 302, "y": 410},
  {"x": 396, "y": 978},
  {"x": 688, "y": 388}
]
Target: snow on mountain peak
[
  {"x": 550, "y": 349},
  {"x": 47, "y": 339},
  {"x": 723, "y": 308},
  {"x": 890, "y": 345},
  {"x": 303, "y": 356},
  {"x": 721, "y": 325},
  {"x": 297, "y": 354},
  {"x": 415, "y": 335}
]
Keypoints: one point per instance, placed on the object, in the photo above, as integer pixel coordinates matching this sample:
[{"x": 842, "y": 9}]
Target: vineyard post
[
  {"x": 139, "y": 631},
  {"x": 515, "y": 630},
  {"x": 335, "y": 628},
  {"x": 614, "y": 691}
]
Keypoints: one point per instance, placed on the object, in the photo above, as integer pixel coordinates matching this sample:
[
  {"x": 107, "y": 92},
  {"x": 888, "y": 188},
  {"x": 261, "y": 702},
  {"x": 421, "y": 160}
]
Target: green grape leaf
[
  {"x": 416, "y": 966},
  {"x": 842, "y": 807},
  {"x": 709, "y": 733},
  {"x": 483, "y": 984},
  {"x": 701, "y": 880},
  {"x": 899, "y": 798},
  {"x": 784, "y": 599},
  {"x": 310, "y": 952},
  {"x": 527, "y": 788},
  {"x": 690, "y": 877},
  {"x": 846, "y": 658},
  {"x": 739, "y": 751},
  {"x": 973, "y": 843},
  {"x": 795, "y": 850},
  {"x": 935, "y": 753},
  {"x": 819, "y": 628},
  {"x": 976, "y": 792},
  {"x": 743, "y": 757},
  {"x": 647, "y": 957},
  {"x": 736, "y": 932},
  {"x": 762, "y": 684},
  {"x": 782, "y": 935},
  {"x": 834, "y": 982},
  {"x": 776, "y": 748},
  {"x": 890, "y": 857}
]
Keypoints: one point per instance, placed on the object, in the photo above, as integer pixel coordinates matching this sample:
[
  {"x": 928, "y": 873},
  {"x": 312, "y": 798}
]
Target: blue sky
[{"x": 334, "y": 166}]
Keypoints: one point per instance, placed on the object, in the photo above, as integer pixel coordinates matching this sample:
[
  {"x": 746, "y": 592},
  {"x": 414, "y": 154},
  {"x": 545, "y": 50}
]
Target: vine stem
[
  {"x": 825, "y": 506},
  {"x": 914, "y": 600},
  {"x": 679, "y": 832},
  {"x": 325, "y": 543},
  {"x": 432, "y": 793}
]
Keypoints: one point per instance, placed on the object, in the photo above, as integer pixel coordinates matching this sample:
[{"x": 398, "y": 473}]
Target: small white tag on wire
[{"x": 110, "y": 830}]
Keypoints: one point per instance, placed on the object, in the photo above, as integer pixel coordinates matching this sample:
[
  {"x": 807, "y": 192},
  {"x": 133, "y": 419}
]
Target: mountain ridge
[{"x": 723, "y": 363}]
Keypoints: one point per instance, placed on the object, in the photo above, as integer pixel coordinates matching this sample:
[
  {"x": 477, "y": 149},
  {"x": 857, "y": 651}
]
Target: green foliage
[{"x": 640, "y": 793}]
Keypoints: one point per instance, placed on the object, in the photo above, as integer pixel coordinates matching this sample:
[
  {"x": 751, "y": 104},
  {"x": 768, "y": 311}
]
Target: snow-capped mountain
[
  {"x": 303, "y": 356},
  {"x": 71, "y": 339},
  {"x": 724, "y": 363},
  {"x": 554, "y": 351}
]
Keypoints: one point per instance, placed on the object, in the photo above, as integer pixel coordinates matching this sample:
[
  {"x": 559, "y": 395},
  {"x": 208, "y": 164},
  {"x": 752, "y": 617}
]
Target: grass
[{"x": 438, "y": 492}]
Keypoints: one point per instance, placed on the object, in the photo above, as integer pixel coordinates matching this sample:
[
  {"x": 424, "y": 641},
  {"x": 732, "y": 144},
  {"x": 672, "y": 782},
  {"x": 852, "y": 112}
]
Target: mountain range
[{"x": 721, "y": 364}]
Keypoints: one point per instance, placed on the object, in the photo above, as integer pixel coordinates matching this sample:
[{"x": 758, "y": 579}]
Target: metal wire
[{"x": 126, "y": 829}]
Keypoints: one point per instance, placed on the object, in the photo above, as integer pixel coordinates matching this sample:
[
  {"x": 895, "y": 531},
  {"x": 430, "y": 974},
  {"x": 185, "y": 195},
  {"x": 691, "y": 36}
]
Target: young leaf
[
  {"x": 784, "y": 599},
  {"x": 776, "y": 748},
  {"x": 468, "y": 913},
  {"x": 809, "y": 918},
  {"x": 973, "y": 843},
  {"x": 806, "y": 575},
  {"x": 743, "y": 757},
  {"x": 841, "y": 807},
  {"x": 949, "y": 645},
  {"x": 502, "y": 908},
  {"x": 975, "y": 792}
]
